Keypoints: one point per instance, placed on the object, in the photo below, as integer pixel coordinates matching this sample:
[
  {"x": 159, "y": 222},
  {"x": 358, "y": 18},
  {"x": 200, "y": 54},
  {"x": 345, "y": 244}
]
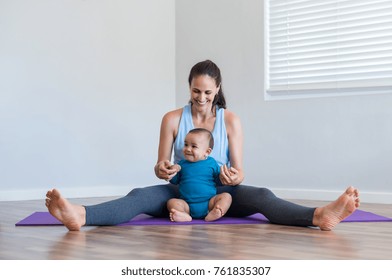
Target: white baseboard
[
  {"x": 328, "y": 195},
  {"x": 80, "y": 192},
  {"x": 101, "y": 191}
]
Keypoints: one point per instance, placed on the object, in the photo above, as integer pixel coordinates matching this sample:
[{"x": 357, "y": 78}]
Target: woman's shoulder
[
  {"x": 170, "y": 123},
  {"x": 231, "y": 119},
  {"x": 172, "y": 116},
  {"x": 230, "y": 114}
]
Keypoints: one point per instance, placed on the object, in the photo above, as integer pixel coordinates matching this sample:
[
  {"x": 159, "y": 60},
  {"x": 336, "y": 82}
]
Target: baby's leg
[
  {"x": 179, "y": 210},
  {"x": 218, "y": 206}
]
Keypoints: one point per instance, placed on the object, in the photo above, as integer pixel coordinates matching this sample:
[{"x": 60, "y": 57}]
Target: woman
[{"x": 206, "y": 109}]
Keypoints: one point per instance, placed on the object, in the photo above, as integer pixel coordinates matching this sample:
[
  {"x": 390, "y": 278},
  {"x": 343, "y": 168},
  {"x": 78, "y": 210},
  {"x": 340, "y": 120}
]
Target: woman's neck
[{"x": 204, "y": 118}]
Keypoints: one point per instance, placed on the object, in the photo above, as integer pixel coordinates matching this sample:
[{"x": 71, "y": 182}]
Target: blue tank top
[{"x": 220, "y": 152}]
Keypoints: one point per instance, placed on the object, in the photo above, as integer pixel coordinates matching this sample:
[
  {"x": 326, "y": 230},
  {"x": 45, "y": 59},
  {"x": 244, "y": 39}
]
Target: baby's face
[{"x": 196, "y": 147}]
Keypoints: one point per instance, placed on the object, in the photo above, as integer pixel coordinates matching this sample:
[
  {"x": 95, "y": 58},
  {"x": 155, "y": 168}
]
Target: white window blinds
[{"x": 328, "y": 47}]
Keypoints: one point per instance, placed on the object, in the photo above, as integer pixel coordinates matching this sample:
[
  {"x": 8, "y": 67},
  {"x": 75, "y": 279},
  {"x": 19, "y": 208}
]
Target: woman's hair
[
  {"x": 206, "y": 132},
  {"x": 209, "y": 68}
]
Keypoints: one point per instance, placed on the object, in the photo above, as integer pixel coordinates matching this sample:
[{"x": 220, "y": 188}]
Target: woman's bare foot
[
  {"x": 327, "y": 217},
  {"x": 214, "y": 214},
  {"x": 178, "y": 216},
  {"x": 72, "y": 216}
]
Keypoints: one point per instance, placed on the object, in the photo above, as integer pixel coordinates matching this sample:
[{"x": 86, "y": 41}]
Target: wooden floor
[{"x": 352, "y": 241}]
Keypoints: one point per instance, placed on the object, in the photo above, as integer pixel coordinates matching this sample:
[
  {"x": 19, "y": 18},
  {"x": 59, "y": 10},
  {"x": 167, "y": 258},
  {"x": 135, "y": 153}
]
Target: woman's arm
[
  {"x": 234, "y": 175},
  {"x": 168, "y": 133}
]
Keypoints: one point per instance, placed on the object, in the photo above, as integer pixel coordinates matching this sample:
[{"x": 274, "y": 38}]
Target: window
[{"x": 325, "y": 48}]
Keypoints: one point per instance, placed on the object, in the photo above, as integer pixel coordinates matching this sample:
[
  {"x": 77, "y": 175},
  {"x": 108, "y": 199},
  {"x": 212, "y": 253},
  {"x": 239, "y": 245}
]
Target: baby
[{"x": 196, "y": 176}]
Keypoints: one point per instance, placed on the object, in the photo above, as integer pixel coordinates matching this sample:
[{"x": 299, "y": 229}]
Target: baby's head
[{"x": 198, "y": 144}]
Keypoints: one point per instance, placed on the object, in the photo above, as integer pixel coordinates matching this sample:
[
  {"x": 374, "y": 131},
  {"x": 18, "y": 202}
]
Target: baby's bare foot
[
  {"x": 327, "y": 217},
  {"x": 214, "y": 214},
  {"x": 178, "y": 216},
  {"x": 72, "y": 216}
]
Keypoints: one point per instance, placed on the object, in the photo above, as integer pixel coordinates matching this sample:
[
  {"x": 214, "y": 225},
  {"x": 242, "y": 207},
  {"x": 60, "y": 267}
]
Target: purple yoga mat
[{"x": 46, "y": 219}]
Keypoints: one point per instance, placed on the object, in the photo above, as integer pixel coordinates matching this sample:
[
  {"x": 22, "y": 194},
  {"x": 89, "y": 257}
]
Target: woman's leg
[
  {"x": 248, "y": 200},
  {"x": 149, "y": 200}
]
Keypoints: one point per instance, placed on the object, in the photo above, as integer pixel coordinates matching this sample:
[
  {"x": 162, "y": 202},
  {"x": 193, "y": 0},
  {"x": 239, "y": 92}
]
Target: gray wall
[
  {"x": 304, "y": 148},
  {"x": 83, "y": 86}
]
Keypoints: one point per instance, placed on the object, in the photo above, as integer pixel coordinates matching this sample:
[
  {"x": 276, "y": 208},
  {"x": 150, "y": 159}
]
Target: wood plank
[{"x": 353, "y": 241}]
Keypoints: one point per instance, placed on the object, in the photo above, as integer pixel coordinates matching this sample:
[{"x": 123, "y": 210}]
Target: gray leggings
[{"x": 247, "y": 200}]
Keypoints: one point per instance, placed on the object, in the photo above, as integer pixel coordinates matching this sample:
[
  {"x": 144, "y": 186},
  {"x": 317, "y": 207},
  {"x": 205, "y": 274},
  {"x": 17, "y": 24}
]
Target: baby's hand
[{"x": 175, "y": 167}]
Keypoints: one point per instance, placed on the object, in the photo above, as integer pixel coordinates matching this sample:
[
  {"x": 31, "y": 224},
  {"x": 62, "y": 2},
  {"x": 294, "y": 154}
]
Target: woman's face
[{"x": 203, "y": 91}]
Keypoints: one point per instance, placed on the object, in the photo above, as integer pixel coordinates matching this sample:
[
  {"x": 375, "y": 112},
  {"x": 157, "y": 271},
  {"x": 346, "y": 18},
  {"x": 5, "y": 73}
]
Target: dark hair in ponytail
[{"x": 209, "y": 68}]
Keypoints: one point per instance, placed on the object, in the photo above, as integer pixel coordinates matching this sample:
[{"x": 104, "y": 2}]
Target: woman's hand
[
  {"x": 230, "y": 176},
  {"x": 165, "y": 170}
]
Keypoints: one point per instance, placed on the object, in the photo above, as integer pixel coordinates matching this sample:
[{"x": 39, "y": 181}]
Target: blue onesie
[{"x": 197, "y": 184}]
